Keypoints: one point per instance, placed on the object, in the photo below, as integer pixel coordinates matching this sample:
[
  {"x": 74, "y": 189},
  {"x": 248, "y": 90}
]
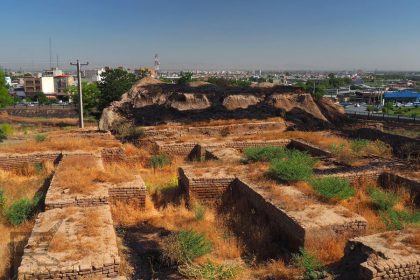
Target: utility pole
[{"x": 79, "y": 86}]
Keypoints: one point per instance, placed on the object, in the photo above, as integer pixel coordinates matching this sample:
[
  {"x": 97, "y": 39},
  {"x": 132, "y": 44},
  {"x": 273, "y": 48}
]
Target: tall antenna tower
[
  {"x": 50, "y": 53},
  {"x": 157, "y": 63}
]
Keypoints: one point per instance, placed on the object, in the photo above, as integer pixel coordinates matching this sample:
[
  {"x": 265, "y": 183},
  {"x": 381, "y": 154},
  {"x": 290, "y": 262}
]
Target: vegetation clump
[
  {"x": 40, "y": 138},
  {"x": 296, "y": 166},
  {"x": 332, "y": 188},
  {"x": 21, "y": 210},
  {"x": 393, "y": 219},
  {"x": 210, "y": 270},
  {"x": 311, "y": 266},
  {"x": 185, "y": 246},
  {"x": 266, "y": 153},
  {"x": 159, "y": 161}
]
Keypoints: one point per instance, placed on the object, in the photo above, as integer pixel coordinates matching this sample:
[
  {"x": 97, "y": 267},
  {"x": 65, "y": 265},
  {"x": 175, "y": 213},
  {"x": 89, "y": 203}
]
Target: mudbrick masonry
[{"x": 386, "y": 255}]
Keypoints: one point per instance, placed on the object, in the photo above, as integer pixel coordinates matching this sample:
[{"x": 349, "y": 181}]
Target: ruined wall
[
  {"x": 15, "y": 161},
  {"x": 203, "y": 189},
  {"x": 116, "y": 154},
  {"x": 374, "y": 257},
  {"x": 312, "y": 149},
  {"x": 281, "y": 225},
  {"x": 42, "y": 111}
]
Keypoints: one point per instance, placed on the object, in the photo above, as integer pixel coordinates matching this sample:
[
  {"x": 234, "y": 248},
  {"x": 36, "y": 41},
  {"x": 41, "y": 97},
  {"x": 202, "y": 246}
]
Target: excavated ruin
[{"x": 150, "y": 101}]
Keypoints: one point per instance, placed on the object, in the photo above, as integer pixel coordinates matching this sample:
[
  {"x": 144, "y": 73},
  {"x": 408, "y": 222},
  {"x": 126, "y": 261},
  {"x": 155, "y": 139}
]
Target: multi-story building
[
  {"x": 33, "y": 85},
  {"x": 52, "y": 72},
  {"x": 93, "y": 75},
  {"x": 61, "y": 83}
]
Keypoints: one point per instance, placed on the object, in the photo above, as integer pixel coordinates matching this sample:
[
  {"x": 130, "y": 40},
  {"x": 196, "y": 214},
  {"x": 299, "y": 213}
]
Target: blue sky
[{"x": 214, "y": 34}]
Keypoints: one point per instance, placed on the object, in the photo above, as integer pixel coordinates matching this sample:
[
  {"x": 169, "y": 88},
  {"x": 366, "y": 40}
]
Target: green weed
[
  {"x": 185, "y": 246},
  {"x": 209, "y": 270},
  {"x": 332, "y": 187},
  {"x": 313, "y": 269}
]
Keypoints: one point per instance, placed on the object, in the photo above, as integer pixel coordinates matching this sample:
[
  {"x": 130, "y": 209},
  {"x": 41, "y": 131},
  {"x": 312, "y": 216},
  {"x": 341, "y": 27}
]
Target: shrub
[
  {"x": 396, "y": 220},
  {"x": 7, "y": 129},
  {"x": 210, "y": 270},
  {"x": 382, "y": 200},
  {"x": 40, "y": 137},
  {"x": 332, "y": 187},
  {"x": 19, "y": 212},
  {"x": 127, "y": 131},
  {"x": 267, "y": 153},
  {"x": 38, "y": 166},
  {"x": 158, "y": 161},
  {"x": 3, "y": 135},
  {"x": 358, "y": 145},
  {"x": 185, "y": 246},
  {"x": 312, "y": 268},
  {"x": 199, "y": 211},
  {"x": 297, "y": 166}
]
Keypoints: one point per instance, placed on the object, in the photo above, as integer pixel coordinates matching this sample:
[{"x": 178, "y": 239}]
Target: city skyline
[{"x": 242, "y": 35}]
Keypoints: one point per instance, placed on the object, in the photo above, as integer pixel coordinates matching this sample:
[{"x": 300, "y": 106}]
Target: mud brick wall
[
  {"x": 15, "y": 161},
  {"x": 113, "y": 154},
  {"x": 281, "y": 225},
  {"x": 42, "y": 111},
  {"x": 73, "y": 272},
  {"x": 367, "y": 264},
  {"x": 246, "y": 128},
  {"x": 357, "y": 177},
  {"x": 284, "y": 223},
  {"x": 203, "y": 189},
  {"x": 310, "y": 148},
  {"x": 217, "y": 130},
  {"x": 127, "y": 194},
  {"x": 177, "y": 149},
  {"x": 81, "y": 202},
  {"x": 242, "y": 145}
]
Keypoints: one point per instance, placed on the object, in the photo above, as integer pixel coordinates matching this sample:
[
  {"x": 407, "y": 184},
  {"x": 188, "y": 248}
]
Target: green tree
[
  {"x": 90, "y": 93},
  {"x": 185, "y": 78},
  {"x": 114, "y": 83},
  {"x": 5, "y": 98},
  {"x": 41, "y": 98},
  {"x": 144, "y": 73}
]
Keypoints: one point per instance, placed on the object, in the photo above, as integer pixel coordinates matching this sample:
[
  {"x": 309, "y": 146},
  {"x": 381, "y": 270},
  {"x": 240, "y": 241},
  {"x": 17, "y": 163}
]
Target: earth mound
[{"x": 151, "y": 102}]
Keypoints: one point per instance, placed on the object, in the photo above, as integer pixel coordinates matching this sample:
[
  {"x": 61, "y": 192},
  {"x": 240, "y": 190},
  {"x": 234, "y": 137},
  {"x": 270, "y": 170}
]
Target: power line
[{"x": 79, "y": 86}]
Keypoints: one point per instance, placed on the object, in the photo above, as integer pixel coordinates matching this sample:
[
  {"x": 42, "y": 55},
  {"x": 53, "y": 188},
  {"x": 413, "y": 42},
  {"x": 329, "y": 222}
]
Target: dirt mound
[
  {"x": 233, "y": 102},
  {"x": 151, "y": 102}
]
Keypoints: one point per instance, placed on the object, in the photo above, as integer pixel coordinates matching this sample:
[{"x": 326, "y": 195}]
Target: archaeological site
[{"x": 199, "y": 181}]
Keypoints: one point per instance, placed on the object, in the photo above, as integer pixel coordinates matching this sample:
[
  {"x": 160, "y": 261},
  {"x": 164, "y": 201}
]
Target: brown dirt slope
[{"x": 151, "y": 101}]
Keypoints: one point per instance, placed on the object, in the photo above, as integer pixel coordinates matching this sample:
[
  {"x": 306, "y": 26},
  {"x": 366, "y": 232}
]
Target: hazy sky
[{"x": 214, "y": 34}]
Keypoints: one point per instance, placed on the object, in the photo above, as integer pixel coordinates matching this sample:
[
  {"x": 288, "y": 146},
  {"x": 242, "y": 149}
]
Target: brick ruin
[
  {"x": 297, "y": 227},
  {"x": 58, "y": 247},
  {"x": 292, "y": 217},
  {"x": 75, "y": 236},
  {"x": 383, "y": 256}
]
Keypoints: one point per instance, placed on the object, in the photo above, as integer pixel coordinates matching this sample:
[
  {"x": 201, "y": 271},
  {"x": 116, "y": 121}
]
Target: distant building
[
  {"x": 93, "y": 75},
  {"x": 52, "y": 72},
  {"x": 403, "y": 96},
  {"x": 61, "y": 83},
  {"x": 33, "y": 85}
]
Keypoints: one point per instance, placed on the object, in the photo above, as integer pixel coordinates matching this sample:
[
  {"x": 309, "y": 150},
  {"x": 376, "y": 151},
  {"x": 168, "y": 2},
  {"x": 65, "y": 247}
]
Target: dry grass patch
[
  {"x": 273, "y": 269},
  {"x": 62, "y": 143},
  {"x": 82, "y": 174}
]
